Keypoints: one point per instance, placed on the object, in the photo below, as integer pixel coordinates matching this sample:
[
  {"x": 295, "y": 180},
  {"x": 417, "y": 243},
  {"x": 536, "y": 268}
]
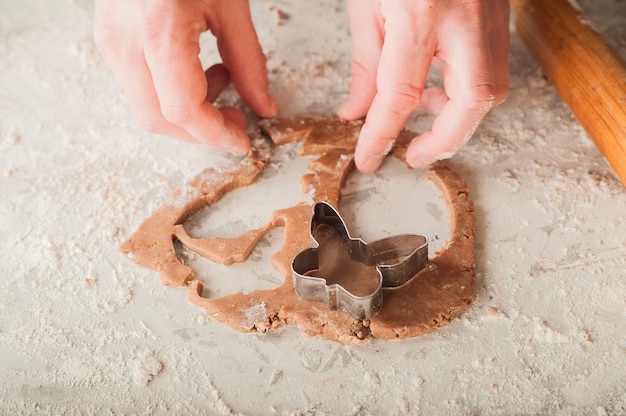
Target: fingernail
[
  {"x": 273, "y": 105},
  {"x": 242, "y": 147},
  {"x": 267, "y": 106},
  {"x": 362, "y": 133},
  {"x": 237, "y": 151},
  {"x": 344, "y": 107},
  {"x": 421, "y": 162},
  {"x": 237, "y": 145},
  {"x": 372, "y": 163},
  {"x": 366, "y": 162}
]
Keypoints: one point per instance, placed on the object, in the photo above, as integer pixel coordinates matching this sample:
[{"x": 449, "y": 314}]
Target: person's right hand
[
  {"x": 394, "y": 44},
  {"x": 152, "y": 48}
]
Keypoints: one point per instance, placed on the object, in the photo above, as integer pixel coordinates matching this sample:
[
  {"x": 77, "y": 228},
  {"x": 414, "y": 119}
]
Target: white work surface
[{"x": 85, "y": 331}]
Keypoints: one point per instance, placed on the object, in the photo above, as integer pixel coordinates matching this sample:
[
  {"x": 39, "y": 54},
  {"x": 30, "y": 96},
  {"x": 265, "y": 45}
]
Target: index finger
[
  {"x": 242, "y": 54},
  {"x": 181, "y": 87},
  {"x": 404, "y": 62}
]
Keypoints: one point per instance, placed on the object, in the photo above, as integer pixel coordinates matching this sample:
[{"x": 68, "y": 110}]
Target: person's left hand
[{"x": 152, "y": 48}]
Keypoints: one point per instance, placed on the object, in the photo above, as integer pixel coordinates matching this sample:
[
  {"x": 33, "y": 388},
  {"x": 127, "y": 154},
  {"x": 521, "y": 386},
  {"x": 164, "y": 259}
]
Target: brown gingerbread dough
[{"x": 436, "y": 295}]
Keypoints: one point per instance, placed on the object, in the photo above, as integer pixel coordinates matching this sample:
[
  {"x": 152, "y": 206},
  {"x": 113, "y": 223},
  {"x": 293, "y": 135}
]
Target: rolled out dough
[{"x": 436, "y": 295}]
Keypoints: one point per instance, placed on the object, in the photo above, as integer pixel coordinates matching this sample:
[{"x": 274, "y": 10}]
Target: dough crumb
[
  {"x": 585, "y": 335},
  {"x": 279, "y": 15},
  {"x": 89, "y": 282},
  {"x": 10, "y": 171},
  {"x": 146, "y": 367},
  {"x": 256, "y": 318},
  {"x": 110, "y": 306},
  {"x": 13, "y": 138},
  {"x": 545, "y": 333},
  {"x": 495, "y": 312}
]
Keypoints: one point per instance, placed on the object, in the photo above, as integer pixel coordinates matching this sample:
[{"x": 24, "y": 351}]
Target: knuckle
[
  {"x": 482, "y": 97},
  {"x": 179, "y": 115},
  {"x": 474, "y": 5},
  {"x": 472, "y": 9},
  {"x": 426, "y": 9},
  {"x": 502, "y": 93},
  {"x": 153, "y": 24},
  {"x": 405, "y": 98},
  {"x": 363, "y": 79},
  {"x": 360, "y": 70}
]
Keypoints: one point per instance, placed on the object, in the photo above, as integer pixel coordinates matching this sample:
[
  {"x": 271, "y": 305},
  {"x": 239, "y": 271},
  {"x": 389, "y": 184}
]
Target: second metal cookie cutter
[{"x": 397, "y": 259}]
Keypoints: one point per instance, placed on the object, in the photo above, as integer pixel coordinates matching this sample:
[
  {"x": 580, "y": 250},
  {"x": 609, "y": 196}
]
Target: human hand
[
  {"x": 393, "y": 44},
  {"x": 152, "y": 48}
]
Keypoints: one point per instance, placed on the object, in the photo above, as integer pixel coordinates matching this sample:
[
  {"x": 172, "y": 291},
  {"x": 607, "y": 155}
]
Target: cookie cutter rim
[{"x": 397, "y": 258}]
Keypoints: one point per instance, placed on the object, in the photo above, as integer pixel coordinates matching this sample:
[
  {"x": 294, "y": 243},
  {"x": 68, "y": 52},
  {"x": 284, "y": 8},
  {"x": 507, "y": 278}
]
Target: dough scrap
[{"x": 436, "y": 295}]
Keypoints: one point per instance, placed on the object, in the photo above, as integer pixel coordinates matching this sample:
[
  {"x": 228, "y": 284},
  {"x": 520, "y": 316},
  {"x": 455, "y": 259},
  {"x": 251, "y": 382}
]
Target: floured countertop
[{"x": 83, "y": 330}]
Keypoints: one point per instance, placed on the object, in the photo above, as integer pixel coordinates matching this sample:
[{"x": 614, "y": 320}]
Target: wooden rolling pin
[{"x": 587, "y": 72}]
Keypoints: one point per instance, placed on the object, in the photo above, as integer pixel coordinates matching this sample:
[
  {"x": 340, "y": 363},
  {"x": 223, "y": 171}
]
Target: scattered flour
[
  {"x": 82, "y": 330},
  {"x": 145, "y": 367}
]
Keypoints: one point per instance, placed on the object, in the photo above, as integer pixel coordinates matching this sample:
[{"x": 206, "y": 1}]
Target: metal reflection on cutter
[{"x": 397, "y": 259}]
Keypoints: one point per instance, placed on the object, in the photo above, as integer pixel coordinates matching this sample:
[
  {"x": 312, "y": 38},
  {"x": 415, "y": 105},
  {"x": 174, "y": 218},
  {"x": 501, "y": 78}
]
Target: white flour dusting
[
  {"x": 145, "y": 367},
  {"x": 85, "y": 331}
]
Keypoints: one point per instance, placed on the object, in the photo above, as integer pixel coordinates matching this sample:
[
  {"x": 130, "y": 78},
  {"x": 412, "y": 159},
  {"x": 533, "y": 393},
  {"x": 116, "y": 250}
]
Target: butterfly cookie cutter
[{"x": 396, "y": 259}]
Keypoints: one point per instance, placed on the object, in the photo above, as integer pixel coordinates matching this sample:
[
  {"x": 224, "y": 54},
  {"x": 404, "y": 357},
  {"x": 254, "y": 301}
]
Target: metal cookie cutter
[{"x": 396, "y": 260}]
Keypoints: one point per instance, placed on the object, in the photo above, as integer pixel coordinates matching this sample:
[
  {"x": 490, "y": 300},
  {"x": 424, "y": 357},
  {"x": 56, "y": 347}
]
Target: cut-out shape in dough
[{"x": 436, "y": 295}]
